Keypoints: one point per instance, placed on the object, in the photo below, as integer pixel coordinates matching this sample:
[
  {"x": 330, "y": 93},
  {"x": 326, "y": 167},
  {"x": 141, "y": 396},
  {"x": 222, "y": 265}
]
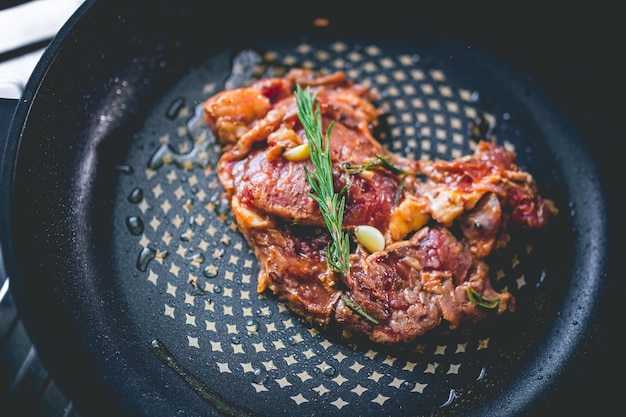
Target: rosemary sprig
[
  {"x": 359, "y": 310},
  {"x": 481, "y": 301},
  {"x": 381, "y": 161},
  {"x": 331, "y": 203}
]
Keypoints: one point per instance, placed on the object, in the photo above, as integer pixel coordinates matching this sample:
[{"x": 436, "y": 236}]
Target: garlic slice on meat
[
  {"x": 297, "y": 153},
  {"x": 370, "y": 237}
]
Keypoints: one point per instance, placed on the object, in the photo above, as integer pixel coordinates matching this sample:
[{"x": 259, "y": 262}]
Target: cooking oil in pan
[
  {"x": 145, "y": 256},
  {"x": 198, "y": 386},
  {"x": 136, "y": 195},
  {"x": 135, "y": 225},
  {"x": 204, "y": 150}
]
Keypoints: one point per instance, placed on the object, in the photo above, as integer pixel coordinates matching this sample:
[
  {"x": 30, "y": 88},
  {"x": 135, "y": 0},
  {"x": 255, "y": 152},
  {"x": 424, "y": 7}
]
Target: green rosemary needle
[
  {"x": 359, "y": 310},
  {"x": 481, "y": 301},
  {"x": 381, "y": 161},
  {"x": 331, "y": 203}
]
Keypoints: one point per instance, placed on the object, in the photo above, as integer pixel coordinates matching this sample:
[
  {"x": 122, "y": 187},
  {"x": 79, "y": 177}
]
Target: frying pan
[{"x": 137, "y": 289}]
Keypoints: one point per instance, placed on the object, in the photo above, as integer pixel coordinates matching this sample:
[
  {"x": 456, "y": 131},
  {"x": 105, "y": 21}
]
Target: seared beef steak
[{"x": 425, "y": 274}]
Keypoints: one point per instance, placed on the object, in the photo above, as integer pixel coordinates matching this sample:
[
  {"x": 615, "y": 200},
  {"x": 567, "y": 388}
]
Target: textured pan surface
[{"x": 200, "y": 288}]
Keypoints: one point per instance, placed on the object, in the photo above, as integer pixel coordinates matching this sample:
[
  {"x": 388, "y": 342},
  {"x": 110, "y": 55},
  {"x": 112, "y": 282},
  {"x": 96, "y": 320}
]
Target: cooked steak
[{"x": 425, "y": 274}]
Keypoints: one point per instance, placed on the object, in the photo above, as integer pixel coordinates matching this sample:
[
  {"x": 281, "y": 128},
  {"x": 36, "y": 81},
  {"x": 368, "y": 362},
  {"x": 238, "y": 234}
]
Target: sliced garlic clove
[
  {"x": 297, "y": 153},
  {"x": 370, "y": 237},
  {"x": 366, "y": 175}
]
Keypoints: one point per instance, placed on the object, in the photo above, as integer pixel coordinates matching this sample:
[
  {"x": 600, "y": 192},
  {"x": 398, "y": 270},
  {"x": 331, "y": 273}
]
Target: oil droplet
[
  {"x": 197, "y": 258},
  {"x": 205, "y": 149},
  {"x": 186, "y": 236},
  {"x": 542, "y": 278},
  {"x": 145, "y": 256},
  {"x": 252, "y": 326},
  {"x": 210, "y": 271},
  {"x": 450, "y": 399},
  {"x": 260, "y": 376},
  {"x": 220, "y": 205},
  {"x": 243, "y": 68},
  {"x": 218, "y": 289},
  {"x": 408, "y": 385},
  {"x": 167, "y": 357},
  {"x": 125, "y": 169},
  {"x": 174, "y": 108},
  {"x": 329, "y": 371},
  {"x": 292, "y": 341},
  {"x": 135, "y": 225},
  {"x": 235, "y": 339},
  {"x": 136, "y": 195}
]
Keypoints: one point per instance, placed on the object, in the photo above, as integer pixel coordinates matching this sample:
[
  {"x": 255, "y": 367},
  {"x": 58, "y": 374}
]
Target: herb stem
[
  {"x": 481, "y": 301},
  {"x": 331, "y": 203},
  {"x": 357, "y": 308}
]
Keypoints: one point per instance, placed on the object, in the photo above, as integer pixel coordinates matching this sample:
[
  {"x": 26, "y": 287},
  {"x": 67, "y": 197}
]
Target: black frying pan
[{"x": 136, "y": 287}]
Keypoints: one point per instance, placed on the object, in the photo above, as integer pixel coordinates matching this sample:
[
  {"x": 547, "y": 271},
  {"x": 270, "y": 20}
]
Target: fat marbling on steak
[{"x": 421, "y": 277}]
